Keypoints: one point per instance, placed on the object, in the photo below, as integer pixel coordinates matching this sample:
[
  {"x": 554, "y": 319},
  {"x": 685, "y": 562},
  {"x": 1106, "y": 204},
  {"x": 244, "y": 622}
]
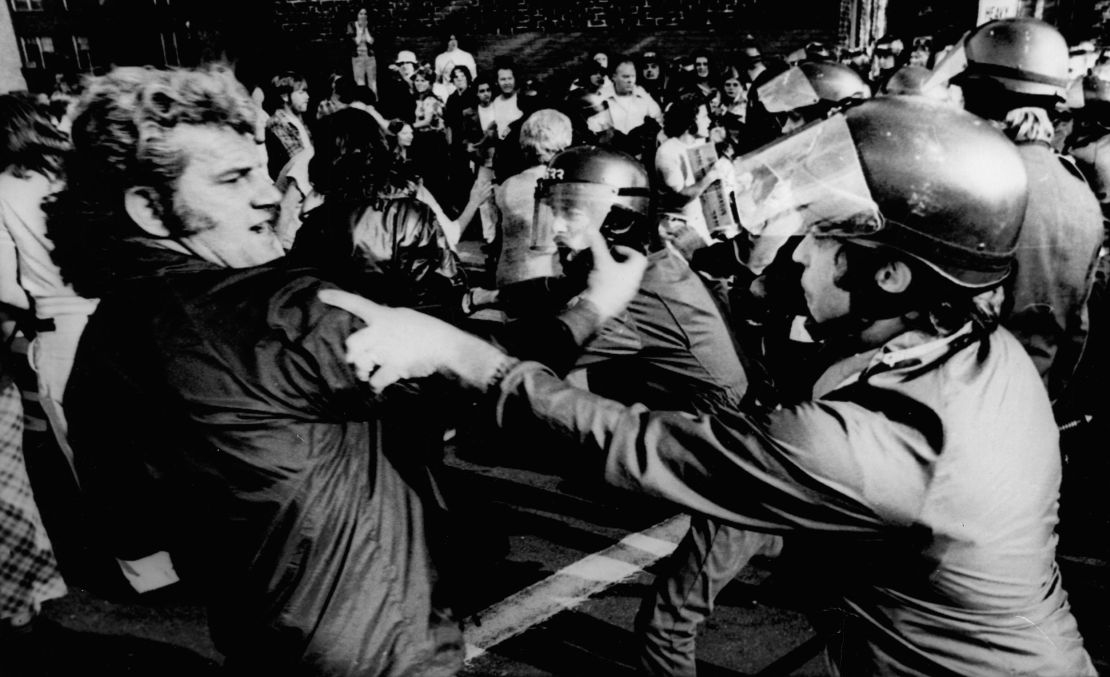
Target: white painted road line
[{"x": 573, "y": 585}]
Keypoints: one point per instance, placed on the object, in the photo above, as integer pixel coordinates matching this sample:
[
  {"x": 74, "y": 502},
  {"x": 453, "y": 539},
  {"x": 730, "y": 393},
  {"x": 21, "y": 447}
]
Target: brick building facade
[
  {"x": 544, "y": 35},
  {"x": 263, "y": 36}
]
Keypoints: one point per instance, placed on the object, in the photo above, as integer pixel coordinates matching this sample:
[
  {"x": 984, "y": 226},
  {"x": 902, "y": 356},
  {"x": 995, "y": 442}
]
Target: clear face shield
[
  {"x": 566, "y": 212},
  {"x": 809, "y": 181},
  {"x": 787, "y": 91}
]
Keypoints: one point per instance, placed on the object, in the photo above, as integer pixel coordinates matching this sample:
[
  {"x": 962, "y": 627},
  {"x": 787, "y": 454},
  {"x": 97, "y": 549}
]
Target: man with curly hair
[{"x": 211, "y": 393}]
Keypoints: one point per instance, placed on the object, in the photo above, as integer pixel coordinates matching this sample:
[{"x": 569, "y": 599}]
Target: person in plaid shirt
[{"x": 286, "y": 133}]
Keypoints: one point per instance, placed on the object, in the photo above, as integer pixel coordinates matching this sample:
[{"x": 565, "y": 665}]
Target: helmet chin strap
[{"x": 844, "y": 328}]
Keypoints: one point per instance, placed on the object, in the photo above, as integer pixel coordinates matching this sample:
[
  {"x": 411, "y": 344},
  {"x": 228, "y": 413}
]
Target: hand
[
  {"x": 400, "y": 343},
  {"x": 612, "y": 283},
  {"x": 482, "y": 189},
  {"x": 711, "y": 176},
  {"x": 424, "y": 195}
]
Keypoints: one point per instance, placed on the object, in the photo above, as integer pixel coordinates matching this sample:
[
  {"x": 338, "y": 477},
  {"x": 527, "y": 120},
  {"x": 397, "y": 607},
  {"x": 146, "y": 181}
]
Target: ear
[
  {"x": 894, "y": 277},
  {"x": 142, "y": 205}
]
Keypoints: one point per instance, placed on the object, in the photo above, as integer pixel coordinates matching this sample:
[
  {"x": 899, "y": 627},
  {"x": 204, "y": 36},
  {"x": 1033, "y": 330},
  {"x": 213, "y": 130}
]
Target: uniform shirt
[
  {"x": 1056, "y": 255},
  {"x": 670, "y": 346},
  {"x": 1092, "y": 154},
  {"x": 935, "y": 474}
]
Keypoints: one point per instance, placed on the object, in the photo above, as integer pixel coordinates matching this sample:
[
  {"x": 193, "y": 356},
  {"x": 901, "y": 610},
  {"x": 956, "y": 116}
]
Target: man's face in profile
[{"x": 224, "y": 205}]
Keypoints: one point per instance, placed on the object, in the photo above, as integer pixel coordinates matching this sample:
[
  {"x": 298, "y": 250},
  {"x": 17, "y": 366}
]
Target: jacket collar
[{"x": 905, "y": 352}]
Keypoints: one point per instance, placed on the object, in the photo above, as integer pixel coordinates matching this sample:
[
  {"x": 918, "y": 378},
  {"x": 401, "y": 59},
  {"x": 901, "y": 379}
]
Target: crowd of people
[{"x": 839, "y": 301}]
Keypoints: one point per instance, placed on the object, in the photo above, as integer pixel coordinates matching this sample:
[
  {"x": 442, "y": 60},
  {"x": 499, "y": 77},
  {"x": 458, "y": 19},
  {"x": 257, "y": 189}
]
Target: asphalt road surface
[{"x": 554, "y": 571}]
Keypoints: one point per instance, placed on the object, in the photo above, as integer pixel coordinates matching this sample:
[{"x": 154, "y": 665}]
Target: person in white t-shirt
[
  {"x": 505, "y": 108},
  {"x": 630, "y": 104},
  {"x": 446, "y": 61},
  {"x": 482, "y": 151},
  {"x": 686, "y": 125}
]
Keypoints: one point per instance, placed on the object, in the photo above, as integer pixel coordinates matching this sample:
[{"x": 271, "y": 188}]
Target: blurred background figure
[
  {"x": 543, "y": 134},
  {"x": 372, "y": 233},
  {"x": 446, "y": 61},
  {"x": 31, "y": 290},
  {"x": 286, "y": 133},
  {"x": 364, "y": 65}
]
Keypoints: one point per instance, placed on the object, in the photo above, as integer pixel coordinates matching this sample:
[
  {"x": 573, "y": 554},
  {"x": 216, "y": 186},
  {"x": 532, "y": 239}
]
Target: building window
[
  {"x": 36, "y": 52},
  {"x": 26, "y": 5},
  {"x": 82, "y": 53}
]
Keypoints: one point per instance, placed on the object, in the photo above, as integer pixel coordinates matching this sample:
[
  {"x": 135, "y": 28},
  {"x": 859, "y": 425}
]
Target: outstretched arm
[{"x": 400, "y": 343}]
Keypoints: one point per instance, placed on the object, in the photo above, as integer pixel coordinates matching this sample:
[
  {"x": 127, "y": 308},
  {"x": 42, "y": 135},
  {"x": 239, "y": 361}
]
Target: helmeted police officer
[
  {"x": 928, "y": 457},
  {"x": 1090, "y": 141},
  {"x": 782, "y": 99},
  {"x": 1014, "y": 72}
]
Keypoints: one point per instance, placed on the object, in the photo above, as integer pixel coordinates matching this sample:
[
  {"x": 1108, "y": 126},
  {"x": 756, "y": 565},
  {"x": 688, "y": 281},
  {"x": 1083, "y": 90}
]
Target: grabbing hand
[
  {"x": 482, "y": 189},
  {"x": 612, "y": 282},
  {"x": 424, "y": 195},
  {"x": 400, "y": 343},
  {"x": 724, "y": 169}
]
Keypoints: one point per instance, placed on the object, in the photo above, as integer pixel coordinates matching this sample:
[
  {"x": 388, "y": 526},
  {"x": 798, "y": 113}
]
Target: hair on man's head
[{"x": 122, "y": 139}]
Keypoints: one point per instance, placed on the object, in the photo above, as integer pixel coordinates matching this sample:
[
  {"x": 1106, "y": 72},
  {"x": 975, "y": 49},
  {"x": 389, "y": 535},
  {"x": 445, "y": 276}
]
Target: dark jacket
[
  {"x": 213, "y": 414},
  {"x": 671, "y": 348},
  {"x": 391, "y": 249}
]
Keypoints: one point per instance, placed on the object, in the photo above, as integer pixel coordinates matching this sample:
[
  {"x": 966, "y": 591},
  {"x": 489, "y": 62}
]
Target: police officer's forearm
[{"x": 733, "y": 468}]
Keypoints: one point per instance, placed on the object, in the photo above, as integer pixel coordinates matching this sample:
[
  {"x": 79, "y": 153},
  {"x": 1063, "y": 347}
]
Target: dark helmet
[
  {"x": 911, "y": 79},
  {"x": 833, "y": 81},
  {"x": 818, "y": 51},
  {"x": 1024, "y": 55},
  {"x": 609, "y": 188},
  {"x": 603, "y": 167},
  {"x": 951, "y": 189}
]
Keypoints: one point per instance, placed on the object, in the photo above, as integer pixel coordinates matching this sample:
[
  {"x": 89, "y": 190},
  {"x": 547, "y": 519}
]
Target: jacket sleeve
[{"x": 826, "y": 466}]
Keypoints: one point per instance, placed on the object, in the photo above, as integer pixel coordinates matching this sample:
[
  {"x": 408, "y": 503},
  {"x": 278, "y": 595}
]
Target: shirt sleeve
[
  {"x": 616, "y": 338},
  {"x": 826, "y": 466}
]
